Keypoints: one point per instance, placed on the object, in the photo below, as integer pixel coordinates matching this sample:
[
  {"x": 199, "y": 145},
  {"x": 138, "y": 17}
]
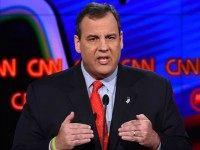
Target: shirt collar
[{"x": 109, "y": 82}]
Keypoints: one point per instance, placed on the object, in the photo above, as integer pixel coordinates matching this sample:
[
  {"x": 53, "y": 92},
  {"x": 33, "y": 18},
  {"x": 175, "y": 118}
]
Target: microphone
[{"x": 105, "y": 100}]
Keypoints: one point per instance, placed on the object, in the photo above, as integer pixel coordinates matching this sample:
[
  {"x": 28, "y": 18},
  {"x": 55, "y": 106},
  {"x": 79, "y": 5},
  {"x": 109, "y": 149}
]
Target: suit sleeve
[
  {"x": 28, "y": 133},
  {"x": 173, "y": 135}
]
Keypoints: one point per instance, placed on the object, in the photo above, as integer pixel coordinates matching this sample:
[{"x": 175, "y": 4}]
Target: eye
[
  {"x": 91, "y": 39},
  {"x": 111, "y": 37}
]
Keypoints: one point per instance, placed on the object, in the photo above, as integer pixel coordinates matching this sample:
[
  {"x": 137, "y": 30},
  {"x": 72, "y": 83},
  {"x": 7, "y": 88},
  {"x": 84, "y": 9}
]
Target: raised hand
[
  {"x": 140, "y": 130},
  {"x": 72, "y": 134}
]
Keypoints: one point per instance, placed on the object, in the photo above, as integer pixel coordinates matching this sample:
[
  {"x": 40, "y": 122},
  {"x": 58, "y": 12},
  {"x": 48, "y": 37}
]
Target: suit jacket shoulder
[
  {"x": 64, "y": 78},
  {"x": 139, "y": 74}
]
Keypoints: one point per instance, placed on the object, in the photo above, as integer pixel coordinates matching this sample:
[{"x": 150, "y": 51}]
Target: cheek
[
  {"x": 85, "y": 51},
  {"x": 88, "y": 50},
  {"x": 88, "y": 57},
  {"x": 116, "y": 53}
]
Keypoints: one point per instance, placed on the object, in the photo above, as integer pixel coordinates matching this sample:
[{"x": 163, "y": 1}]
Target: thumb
[
  {"x": 141, "y": 117},
  {"x": 69, "y": 118}
]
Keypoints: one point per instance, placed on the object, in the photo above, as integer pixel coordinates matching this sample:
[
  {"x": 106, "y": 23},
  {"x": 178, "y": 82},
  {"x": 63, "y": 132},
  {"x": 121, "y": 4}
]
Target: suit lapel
[
  {"x": 125, "y": 97},
  {"x": 81, "y": 103}
]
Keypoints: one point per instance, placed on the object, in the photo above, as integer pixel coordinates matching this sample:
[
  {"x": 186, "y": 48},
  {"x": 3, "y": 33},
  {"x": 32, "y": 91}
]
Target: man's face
[{"x": 100, "y": 45}]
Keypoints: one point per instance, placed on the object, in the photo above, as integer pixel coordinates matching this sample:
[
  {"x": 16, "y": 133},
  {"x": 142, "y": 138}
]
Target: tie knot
[{"x": 97, "y": 85}]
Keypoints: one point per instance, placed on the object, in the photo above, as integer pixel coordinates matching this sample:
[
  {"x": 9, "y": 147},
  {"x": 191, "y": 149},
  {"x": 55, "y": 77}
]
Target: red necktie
[{"x": 97, "y": 108}]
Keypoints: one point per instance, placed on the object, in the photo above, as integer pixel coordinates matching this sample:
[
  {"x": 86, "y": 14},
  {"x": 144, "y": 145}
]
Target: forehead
[{"x": 104, "y": 25}]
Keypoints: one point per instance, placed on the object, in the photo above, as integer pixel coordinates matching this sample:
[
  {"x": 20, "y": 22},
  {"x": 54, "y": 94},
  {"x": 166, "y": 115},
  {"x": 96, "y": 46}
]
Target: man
[{"x": 60, "y": 112}]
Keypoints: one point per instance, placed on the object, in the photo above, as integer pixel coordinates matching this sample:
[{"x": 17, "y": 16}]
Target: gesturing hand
[
  {"x": 140, "y": 130},
  {"x": 72, "y": 134}
]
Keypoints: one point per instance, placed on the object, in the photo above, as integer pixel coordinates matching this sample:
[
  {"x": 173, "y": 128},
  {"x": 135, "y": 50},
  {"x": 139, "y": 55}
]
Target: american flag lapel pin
[{"x": 128, "y": 100}]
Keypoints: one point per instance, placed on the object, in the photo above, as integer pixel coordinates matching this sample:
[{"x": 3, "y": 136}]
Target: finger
[
  {"x": 79, "y": 126},
  {"x": 129, "y": 138},
  {"x": 81, "y": 137},
  {"x": 131, "y": 134},
  {"x": 128, "y": 128},
  {"x": 141, "y": 117},
  {"x": 81, "y": 131},
  {"x": 69, "y": 118},
  {"x": 80, "y": 142},
  {"x": 131, "y": 122}
]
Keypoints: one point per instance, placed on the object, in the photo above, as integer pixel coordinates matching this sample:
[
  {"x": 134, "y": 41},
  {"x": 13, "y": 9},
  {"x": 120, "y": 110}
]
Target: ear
[
  {"x": 121, "y": 40},
  {"x": 77, "y": 44}
]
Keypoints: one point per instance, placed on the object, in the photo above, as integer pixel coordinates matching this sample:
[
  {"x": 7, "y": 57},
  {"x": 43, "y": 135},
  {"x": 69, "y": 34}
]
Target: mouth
[{"x": 103, "y": 60}]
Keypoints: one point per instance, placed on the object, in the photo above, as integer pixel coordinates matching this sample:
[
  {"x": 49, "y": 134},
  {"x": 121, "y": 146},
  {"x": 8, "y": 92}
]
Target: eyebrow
[
  {"x": 96, "y": 36},
  {"x": 92, "y": 35},
  {"x": 112, "y": 34}
]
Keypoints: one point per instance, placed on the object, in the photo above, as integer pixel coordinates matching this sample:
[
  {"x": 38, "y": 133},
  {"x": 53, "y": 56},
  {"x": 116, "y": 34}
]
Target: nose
[{"x": 103, "y": 46}]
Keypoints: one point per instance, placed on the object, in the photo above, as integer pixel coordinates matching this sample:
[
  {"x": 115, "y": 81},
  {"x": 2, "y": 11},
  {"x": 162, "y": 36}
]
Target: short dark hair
[{"x": 96, "y": 10}]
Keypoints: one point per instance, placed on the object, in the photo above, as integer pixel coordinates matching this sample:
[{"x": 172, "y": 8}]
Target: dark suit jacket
[{"x": 52, "y": 98}]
